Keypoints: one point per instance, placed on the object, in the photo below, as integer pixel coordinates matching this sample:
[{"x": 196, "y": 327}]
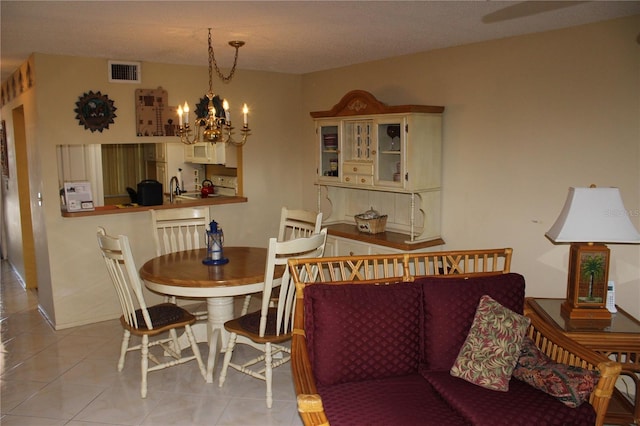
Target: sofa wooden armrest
[
  {"x": 309, "y": 402},
  {"x": 565, "y": 350},
  {"x": 311, "y": 410}
]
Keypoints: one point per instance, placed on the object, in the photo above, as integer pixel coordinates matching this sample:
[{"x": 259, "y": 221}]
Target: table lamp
[{"x": 591, "y": 217}]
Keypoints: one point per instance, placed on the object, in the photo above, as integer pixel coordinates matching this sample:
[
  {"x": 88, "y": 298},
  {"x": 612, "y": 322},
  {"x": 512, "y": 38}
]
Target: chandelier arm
[{"x": 187, "y": 135}]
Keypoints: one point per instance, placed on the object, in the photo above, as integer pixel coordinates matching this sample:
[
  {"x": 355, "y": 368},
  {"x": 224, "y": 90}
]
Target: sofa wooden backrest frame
[{"x": 406, "y": 267}]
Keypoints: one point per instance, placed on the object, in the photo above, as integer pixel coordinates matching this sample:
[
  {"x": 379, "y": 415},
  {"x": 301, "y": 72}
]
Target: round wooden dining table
[{"x": 183, "y": 274}]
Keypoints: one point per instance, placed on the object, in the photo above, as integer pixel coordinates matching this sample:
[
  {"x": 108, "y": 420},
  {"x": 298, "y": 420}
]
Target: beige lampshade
[{"x": 593, "y": 215}]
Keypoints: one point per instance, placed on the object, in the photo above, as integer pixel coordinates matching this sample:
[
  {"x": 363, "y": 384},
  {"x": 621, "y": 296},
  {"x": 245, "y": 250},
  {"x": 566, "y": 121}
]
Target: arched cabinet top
[{"x": 360, "y": 102}]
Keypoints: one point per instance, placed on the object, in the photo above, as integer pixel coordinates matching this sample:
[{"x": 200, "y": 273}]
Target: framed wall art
[
  {"x": 95, "y": 111},
  {"x": 153, "y": 115}
]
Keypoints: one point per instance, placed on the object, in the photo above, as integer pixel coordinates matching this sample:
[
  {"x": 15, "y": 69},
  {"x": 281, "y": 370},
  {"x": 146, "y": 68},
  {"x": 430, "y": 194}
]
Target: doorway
[{"x": 24, "y": 198}]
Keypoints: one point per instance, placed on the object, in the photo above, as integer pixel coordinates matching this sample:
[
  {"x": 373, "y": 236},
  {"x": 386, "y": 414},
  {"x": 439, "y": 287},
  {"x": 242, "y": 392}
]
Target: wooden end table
[{"x": 618, "y": 339}]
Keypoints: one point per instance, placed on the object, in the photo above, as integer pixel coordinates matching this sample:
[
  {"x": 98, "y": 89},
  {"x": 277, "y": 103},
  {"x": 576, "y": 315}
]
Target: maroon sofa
[{"x": 382, "y": 355}]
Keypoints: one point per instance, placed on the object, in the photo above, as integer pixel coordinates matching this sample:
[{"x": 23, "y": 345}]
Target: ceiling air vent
[{"x": 124, "y": 72}]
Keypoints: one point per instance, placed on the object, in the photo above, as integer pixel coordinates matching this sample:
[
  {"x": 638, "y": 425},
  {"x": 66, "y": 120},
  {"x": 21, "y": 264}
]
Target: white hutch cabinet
[{"x": 385, "y": 157}]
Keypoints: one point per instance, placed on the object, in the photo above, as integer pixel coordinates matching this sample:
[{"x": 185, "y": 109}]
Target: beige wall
[
  {"x": 74, "y": 288},
  {"x": 526, "y": 118}
]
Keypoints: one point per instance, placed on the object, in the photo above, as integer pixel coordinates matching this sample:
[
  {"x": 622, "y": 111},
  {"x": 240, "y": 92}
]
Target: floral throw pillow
[
  {"x": 571, "y": 385},
  {"x": 492, "y": 348}
]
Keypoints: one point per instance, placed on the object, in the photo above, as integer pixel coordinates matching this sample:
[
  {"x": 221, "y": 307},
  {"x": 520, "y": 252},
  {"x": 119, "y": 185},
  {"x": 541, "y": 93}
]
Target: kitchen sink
[
  {"x": 189, "y": 196},
  {"x": 192, "y": 196}
]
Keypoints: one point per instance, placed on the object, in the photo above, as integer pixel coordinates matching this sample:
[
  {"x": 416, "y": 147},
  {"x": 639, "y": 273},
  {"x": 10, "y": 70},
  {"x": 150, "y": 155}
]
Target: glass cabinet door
[
  {"x": 329, "y": 151},
  {"x": 390, "y": 150}
]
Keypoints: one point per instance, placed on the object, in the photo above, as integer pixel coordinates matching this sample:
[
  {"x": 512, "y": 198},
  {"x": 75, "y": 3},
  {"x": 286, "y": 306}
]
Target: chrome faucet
[{"x": 173, "y": 191}]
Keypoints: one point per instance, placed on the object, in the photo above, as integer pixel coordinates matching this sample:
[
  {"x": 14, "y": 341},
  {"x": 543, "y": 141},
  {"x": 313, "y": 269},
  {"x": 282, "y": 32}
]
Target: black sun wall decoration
[{"x": 95, "y": 111}]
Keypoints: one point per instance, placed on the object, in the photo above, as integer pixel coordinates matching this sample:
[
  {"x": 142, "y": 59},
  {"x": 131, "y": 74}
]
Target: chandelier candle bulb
[
  {"x": 245, "y": 112},
  {"x": 225, "y": 106},
  {"x": 180, "y": 115},
  {"x": 185, "y": 108}
]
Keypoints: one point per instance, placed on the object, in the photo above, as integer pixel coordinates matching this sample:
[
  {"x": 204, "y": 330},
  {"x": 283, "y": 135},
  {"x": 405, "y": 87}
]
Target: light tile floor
[{"x": 69, "y": 377}]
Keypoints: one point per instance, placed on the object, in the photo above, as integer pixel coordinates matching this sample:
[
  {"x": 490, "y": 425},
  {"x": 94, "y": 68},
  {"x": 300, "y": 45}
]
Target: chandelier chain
[{"x": 213, "y": 63}]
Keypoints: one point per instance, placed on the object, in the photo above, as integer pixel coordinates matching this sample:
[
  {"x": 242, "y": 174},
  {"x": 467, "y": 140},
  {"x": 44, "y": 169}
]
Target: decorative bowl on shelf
[{"x": 330, "y": 141}]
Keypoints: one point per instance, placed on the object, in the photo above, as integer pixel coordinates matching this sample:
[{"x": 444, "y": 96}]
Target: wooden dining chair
[
  {"x": 177, "y": 230},
  {"x": 145, "y": 321},
  {"x": 267, "y": 329},
  {"x": 298, "y": 223},
  {"x": 294, "y": 223}
]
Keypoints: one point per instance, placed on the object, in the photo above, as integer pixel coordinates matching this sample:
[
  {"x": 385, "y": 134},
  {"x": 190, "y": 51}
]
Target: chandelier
[{"x": 213, "y": 120}]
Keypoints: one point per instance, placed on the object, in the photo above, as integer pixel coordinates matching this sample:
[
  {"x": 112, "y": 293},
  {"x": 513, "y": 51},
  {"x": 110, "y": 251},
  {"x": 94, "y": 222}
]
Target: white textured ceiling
[{"x": 291, "y": 37}]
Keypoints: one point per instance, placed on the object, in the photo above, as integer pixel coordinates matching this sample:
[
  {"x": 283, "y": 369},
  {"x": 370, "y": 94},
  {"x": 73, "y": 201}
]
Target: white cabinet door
[
  {"x": 161, "y": 152},
  {"x": 82, "y": 163},
  {"x": 188, "y": 153},
  {"x": 422, "y": 166},
  {"x": 225, "y": 154},
  {"x": 161, "y": 175},
  {"x": 330, "y": 248}
]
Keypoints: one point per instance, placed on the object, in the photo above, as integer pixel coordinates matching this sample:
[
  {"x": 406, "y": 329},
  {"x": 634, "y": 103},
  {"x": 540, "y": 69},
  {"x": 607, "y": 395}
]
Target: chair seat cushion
[
  {"x": 249, "y": 325},
  {"x": 251, "y": 322},
  {"x": 399, "y": 401},
  {"x": 164, "y": 316},
  {"x": 520, "y": 405}
]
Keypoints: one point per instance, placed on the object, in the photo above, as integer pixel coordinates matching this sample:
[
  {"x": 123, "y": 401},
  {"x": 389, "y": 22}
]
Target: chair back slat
[
  {"x": 179, "y": 229},
  {"x": 279, "y": 253},
  {"x": 124, "y": 276},
  {"x": 298, "y": 224}
]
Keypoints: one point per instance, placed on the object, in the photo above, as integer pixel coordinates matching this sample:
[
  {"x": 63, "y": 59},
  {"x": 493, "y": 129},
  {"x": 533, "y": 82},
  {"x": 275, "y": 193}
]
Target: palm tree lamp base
[{"x": 587, "y": 282}]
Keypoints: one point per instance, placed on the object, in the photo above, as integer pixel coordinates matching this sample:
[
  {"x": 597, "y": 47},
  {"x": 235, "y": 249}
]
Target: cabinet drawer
[
  {"x": 350, "y": 248},
  {"x": 357, "y": 179},
  {"x": 358, "y": 168}
]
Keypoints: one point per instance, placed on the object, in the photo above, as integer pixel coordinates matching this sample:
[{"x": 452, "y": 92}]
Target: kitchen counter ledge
[{"x": 179, "y": 203}]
